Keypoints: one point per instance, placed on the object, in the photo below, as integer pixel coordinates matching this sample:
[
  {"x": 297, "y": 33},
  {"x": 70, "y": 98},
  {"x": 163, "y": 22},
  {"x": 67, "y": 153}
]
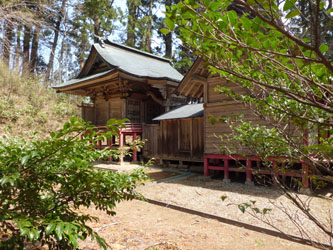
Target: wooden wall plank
[
  {"x": 185, "y": 134},
  {"x": 212, "y": 132},
  {"x": 214, "y": 96}
]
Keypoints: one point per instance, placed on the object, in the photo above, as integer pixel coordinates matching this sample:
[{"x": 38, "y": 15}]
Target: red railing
[
  {"x": 129, "y": 128},
  {"x": 132, "y": 129},
  {"x": 249, "y": 169}
]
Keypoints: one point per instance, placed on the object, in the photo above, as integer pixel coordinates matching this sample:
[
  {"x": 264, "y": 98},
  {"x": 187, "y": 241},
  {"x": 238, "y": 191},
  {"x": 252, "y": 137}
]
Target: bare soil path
[{"x": 139, "y": 225}]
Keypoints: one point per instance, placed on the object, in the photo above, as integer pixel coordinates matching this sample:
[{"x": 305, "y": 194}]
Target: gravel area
[{"x": 204, "y": 194}]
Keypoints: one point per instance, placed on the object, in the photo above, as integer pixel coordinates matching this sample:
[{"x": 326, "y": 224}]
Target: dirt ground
[{"x": 140, "y": 225}]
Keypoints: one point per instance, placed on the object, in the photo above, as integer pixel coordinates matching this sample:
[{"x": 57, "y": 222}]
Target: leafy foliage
[
  {"x": 287, "y": 78},
  {"x": 45, "y": 183},
  {"x": 279, "y": 54}
]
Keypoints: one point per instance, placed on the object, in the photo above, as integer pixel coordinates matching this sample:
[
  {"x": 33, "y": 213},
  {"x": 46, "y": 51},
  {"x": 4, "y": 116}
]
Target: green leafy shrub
[
  {"x": 8, "y": 112},
  {"x": 62, "y": 108},
  {"x": 26, "y": 104},
  {"x": 45, "y": 183}
]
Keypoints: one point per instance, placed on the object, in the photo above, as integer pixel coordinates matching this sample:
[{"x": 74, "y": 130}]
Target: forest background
[{"x": 52, "y": 39}]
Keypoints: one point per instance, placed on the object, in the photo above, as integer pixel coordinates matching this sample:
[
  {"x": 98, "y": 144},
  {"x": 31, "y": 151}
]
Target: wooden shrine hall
[
  {"x": 123, "y": 82},
  {"x": 244, "y": 160}
]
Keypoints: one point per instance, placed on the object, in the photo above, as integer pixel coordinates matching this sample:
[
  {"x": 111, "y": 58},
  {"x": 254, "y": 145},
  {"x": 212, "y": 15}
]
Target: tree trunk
[
  {"x": 97, "y": 29},
  {"x": 34, "y": 49},
  {"x": 81, "y": 55},
  {"x": 26, "y": 47},
  {"x": 18, "y": 52},
  {"x": 131, "y": 23},
  {"x": 55, "y": 41},
  {"x": 8, "y": 41},
  {"x": 149, "y": 29},
  {"x": 61, "y": 57},
  {"x": 168, "y": 37}
]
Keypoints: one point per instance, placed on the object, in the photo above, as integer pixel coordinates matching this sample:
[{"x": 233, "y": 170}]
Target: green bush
[
  {"x": 45, "y": 183},
  {"x": 63, "y": 108},
  {"x": 8, "y": 112}
]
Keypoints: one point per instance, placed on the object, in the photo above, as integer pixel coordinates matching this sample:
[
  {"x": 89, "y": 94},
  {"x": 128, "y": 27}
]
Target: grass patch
[{"x": 26, "y": 105}]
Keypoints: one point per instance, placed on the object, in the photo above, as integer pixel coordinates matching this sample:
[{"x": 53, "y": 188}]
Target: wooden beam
[
  {"x": 199, "y": 78},
  {"x": 90, "y": 83},
  {"x": 154, "y": 97},
  {"x": 197, "y": 81},
  {"x": 189, "y": 90},
  {"x": 187, "y": 78},
  {"x": 199, "y": 91}
]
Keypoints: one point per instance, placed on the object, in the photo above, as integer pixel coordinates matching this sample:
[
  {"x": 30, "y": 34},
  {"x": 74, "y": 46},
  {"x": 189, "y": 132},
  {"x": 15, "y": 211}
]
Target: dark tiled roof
[{"x": 131, "y": 61}]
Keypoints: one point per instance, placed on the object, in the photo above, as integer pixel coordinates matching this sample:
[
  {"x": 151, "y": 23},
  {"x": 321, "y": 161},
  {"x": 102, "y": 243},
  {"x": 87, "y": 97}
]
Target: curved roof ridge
[
  {"x": 137, "y": 63},
  {"x": 135, "y": 50}
]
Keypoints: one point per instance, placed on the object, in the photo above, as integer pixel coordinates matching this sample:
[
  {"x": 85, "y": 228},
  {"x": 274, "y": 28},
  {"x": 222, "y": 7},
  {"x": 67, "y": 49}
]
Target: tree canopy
[{"x": 53, "y": 38}]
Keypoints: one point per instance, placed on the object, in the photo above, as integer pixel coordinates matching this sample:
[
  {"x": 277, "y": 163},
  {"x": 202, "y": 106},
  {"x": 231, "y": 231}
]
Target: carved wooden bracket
[
  {"x": 106, "y": 92},
  {"x": 154, "y": 97},
  {"x": 124, "y": 88}
]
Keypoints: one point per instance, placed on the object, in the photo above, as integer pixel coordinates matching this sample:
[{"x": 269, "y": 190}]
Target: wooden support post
[
  {"x": 249, "y": 177},
  {"x": 226, "y": 171},
  {"x": 191, "y": 137},
  {"x": 109, "y": 144},
  {"x": 275, "y": 175},
  {"x": 135, "y": 158},
  {"x": 99, "y": 145},
  {"x": 121, "y": 144},
  {"x": 217, "y": 161},
  {"x": 305, "y": 176},
  {"x": 206, "y": 170}
]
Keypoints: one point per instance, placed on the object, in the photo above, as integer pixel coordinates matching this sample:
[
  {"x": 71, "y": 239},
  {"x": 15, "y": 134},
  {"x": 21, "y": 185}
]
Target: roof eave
[
  {"x": 108, "y": 75},
  {"x": 187, "y": 78}
]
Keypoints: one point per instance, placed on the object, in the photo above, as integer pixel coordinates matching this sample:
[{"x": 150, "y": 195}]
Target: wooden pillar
[
  {"x": 99, "y": 145},
  {"x": 275, "y": 175},
  {"x": 191, "y": 137},
  {"x": 206, "y": 170},
  {"x": 305, "y": 176},
  {"x": 135, "y": 158},
  {"x": 226, "y": 171},
  {"x": 121, "y": 144},
  {"x": 109, "y": 144},
  {"x": 249, "y": 177},
  {"x": 217, "y": 161}
]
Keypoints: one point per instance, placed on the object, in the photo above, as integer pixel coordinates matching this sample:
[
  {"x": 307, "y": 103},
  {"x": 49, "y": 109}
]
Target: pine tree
[{"x": 92, "y": 19}]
